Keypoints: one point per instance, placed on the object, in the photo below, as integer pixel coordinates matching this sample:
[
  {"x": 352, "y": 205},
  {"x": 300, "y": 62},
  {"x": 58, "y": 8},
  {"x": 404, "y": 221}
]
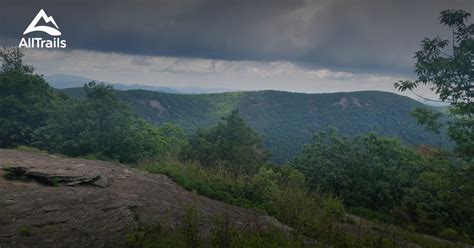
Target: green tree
[
  {"x": 378, "y": 177},
  {"x": 13, "y": 61},
  {"x": 231, "y": 143},
  {"x": 367, "y": 171},
  {"x": 175, "y": 139},
  {"x": 440, "y": 198},
  {"x": 26, "y": 100},
  {"x": 449, "y": 70},
  {"x": 104, "y": 127}
]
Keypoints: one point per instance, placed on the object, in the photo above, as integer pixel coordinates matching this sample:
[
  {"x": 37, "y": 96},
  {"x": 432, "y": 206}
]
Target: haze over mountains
[{"x": 63, "y": 81}]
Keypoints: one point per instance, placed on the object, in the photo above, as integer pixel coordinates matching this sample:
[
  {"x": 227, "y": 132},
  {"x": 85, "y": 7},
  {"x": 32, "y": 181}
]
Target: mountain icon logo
[{"x": 47, "y": 29}]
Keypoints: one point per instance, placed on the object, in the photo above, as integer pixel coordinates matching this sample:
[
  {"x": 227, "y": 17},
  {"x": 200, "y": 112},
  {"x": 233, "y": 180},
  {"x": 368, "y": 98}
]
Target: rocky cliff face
[{"x": 48, "y": 201}]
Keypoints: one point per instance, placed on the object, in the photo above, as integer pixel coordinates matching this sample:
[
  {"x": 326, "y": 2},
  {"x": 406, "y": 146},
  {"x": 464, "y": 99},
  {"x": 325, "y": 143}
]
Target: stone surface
[
  {"x": 65, "y": 202},
  {"x": 68, "y": 174}
]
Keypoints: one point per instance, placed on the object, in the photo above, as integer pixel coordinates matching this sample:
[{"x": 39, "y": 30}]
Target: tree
[
  {"x": 13, "y": 61},
  {"x": 231, "y": 143},
  {"x": 367, "y": 171},
  {"x": 104, "y": 127},
  {"x": 26, "y": 100},
  {"x": 450, "y": 73},
  {"x": 440, "y": 198},
  {"x": 378, "y": 177}
]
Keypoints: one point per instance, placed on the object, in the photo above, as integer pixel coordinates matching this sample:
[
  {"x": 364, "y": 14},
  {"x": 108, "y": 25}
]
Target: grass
[
  {"x": 24, "y": 230},
  {"x": 11, "y": 174},
  {"x": 218, "y": 184},
  {"x": 29, "y": 149},
  {"x": 370, "y": 214},
  {"x": 426, "y": 241},
  {"x": 222, "y": 234}
]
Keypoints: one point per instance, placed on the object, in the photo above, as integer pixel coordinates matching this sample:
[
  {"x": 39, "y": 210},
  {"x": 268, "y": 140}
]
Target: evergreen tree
[{"x": 231, "y": 143}]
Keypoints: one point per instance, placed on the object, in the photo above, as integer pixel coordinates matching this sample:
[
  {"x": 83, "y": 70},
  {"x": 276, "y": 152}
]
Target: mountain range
[
  {"x": 286, "y": 120},
  {"x": 63, "y": 81}
]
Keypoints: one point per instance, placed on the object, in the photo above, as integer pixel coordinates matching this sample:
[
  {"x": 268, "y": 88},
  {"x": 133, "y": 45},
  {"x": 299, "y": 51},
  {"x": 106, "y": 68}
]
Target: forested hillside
[{"x": 287, "y": 120}]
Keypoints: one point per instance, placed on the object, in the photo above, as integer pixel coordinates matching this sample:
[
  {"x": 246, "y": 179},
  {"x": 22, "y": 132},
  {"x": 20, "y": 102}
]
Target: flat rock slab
[
  {"x": 67, "y": 202},
  {"x": 68, "y": 174}
]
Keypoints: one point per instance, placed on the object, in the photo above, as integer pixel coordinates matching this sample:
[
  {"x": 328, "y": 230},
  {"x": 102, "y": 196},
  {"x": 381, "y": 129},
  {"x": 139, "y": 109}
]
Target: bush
[
  {"x": 24, "y": 230},
  {"x": 272, "y": 190},
  {"x": 449, "y": 234}
]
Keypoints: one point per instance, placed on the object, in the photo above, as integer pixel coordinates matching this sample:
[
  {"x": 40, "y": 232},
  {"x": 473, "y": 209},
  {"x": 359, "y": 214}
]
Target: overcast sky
[{"x": 295, "y": 45}]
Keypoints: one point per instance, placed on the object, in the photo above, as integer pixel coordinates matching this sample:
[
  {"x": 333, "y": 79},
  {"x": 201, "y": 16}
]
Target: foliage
[
  {"x": 26, "y": 101},
  {"x": 232, "y": 143},
  {"x": 104, "y": 126},
  {"x": 24, "y": 230},
  {"x": 258, "y": 190},
  {"x": 223, "y": 234},
  {"x": 271, "y": 189},
  {"x": 450, "y": 73},
  {"x": 441, "y": 197},
  {"x": 174, "y": 138},
  {"x": 286, "y": 121},
  {"x": 11, "y": 174},
  {"x": 282, "y": 193},
  {"x": 13, "y": 61},
  {"x": 379, "y": 178},
  {"x": 219, "y": 183},
  {"x": 429, "y": 119},
  {"x": 368, "y": 170}
]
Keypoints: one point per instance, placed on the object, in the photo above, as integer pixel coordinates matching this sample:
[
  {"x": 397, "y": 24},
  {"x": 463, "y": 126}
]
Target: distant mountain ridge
[
  {"x": 64, "y": 81},
  {"x": 286, "y": 120}
]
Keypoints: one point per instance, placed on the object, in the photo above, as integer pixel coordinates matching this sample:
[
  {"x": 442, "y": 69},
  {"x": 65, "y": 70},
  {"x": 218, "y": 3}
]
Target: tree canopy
[
  {"x": 378, "y": 177},
  {"x": 368, "y": 170},
  {"x": 26, "y": 100},
  {"x": 231, "y": 143},
  {"x": 448, "y": 67}
]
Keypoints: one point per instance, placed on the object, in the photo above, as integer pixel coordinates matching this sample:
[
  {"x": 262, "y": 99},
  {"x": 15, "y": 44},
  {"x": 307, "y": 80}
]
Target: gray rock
[{"x": 67, "y": 174}]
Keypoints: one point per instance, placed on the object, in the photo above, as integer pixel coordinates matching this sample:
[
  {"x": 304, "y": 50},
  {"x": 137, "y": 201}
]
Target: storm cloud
[{"x": 353, "y": 36}]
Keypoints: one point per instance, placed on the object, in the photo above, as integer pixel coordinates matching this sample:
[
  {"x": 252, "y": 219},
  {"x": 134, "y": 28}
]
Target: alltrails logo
[{"x": 38, "y": 42}]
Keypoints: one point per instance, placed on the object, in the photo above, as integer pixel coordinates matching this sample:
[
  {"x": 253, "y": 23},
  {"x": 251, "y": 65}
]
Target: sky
[{"x": 294, "y": 45}]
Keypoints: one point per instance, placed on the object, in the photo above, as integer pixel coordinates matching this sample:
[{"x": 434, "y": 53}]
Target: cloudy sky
[{"x": 295, "y": 45}]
